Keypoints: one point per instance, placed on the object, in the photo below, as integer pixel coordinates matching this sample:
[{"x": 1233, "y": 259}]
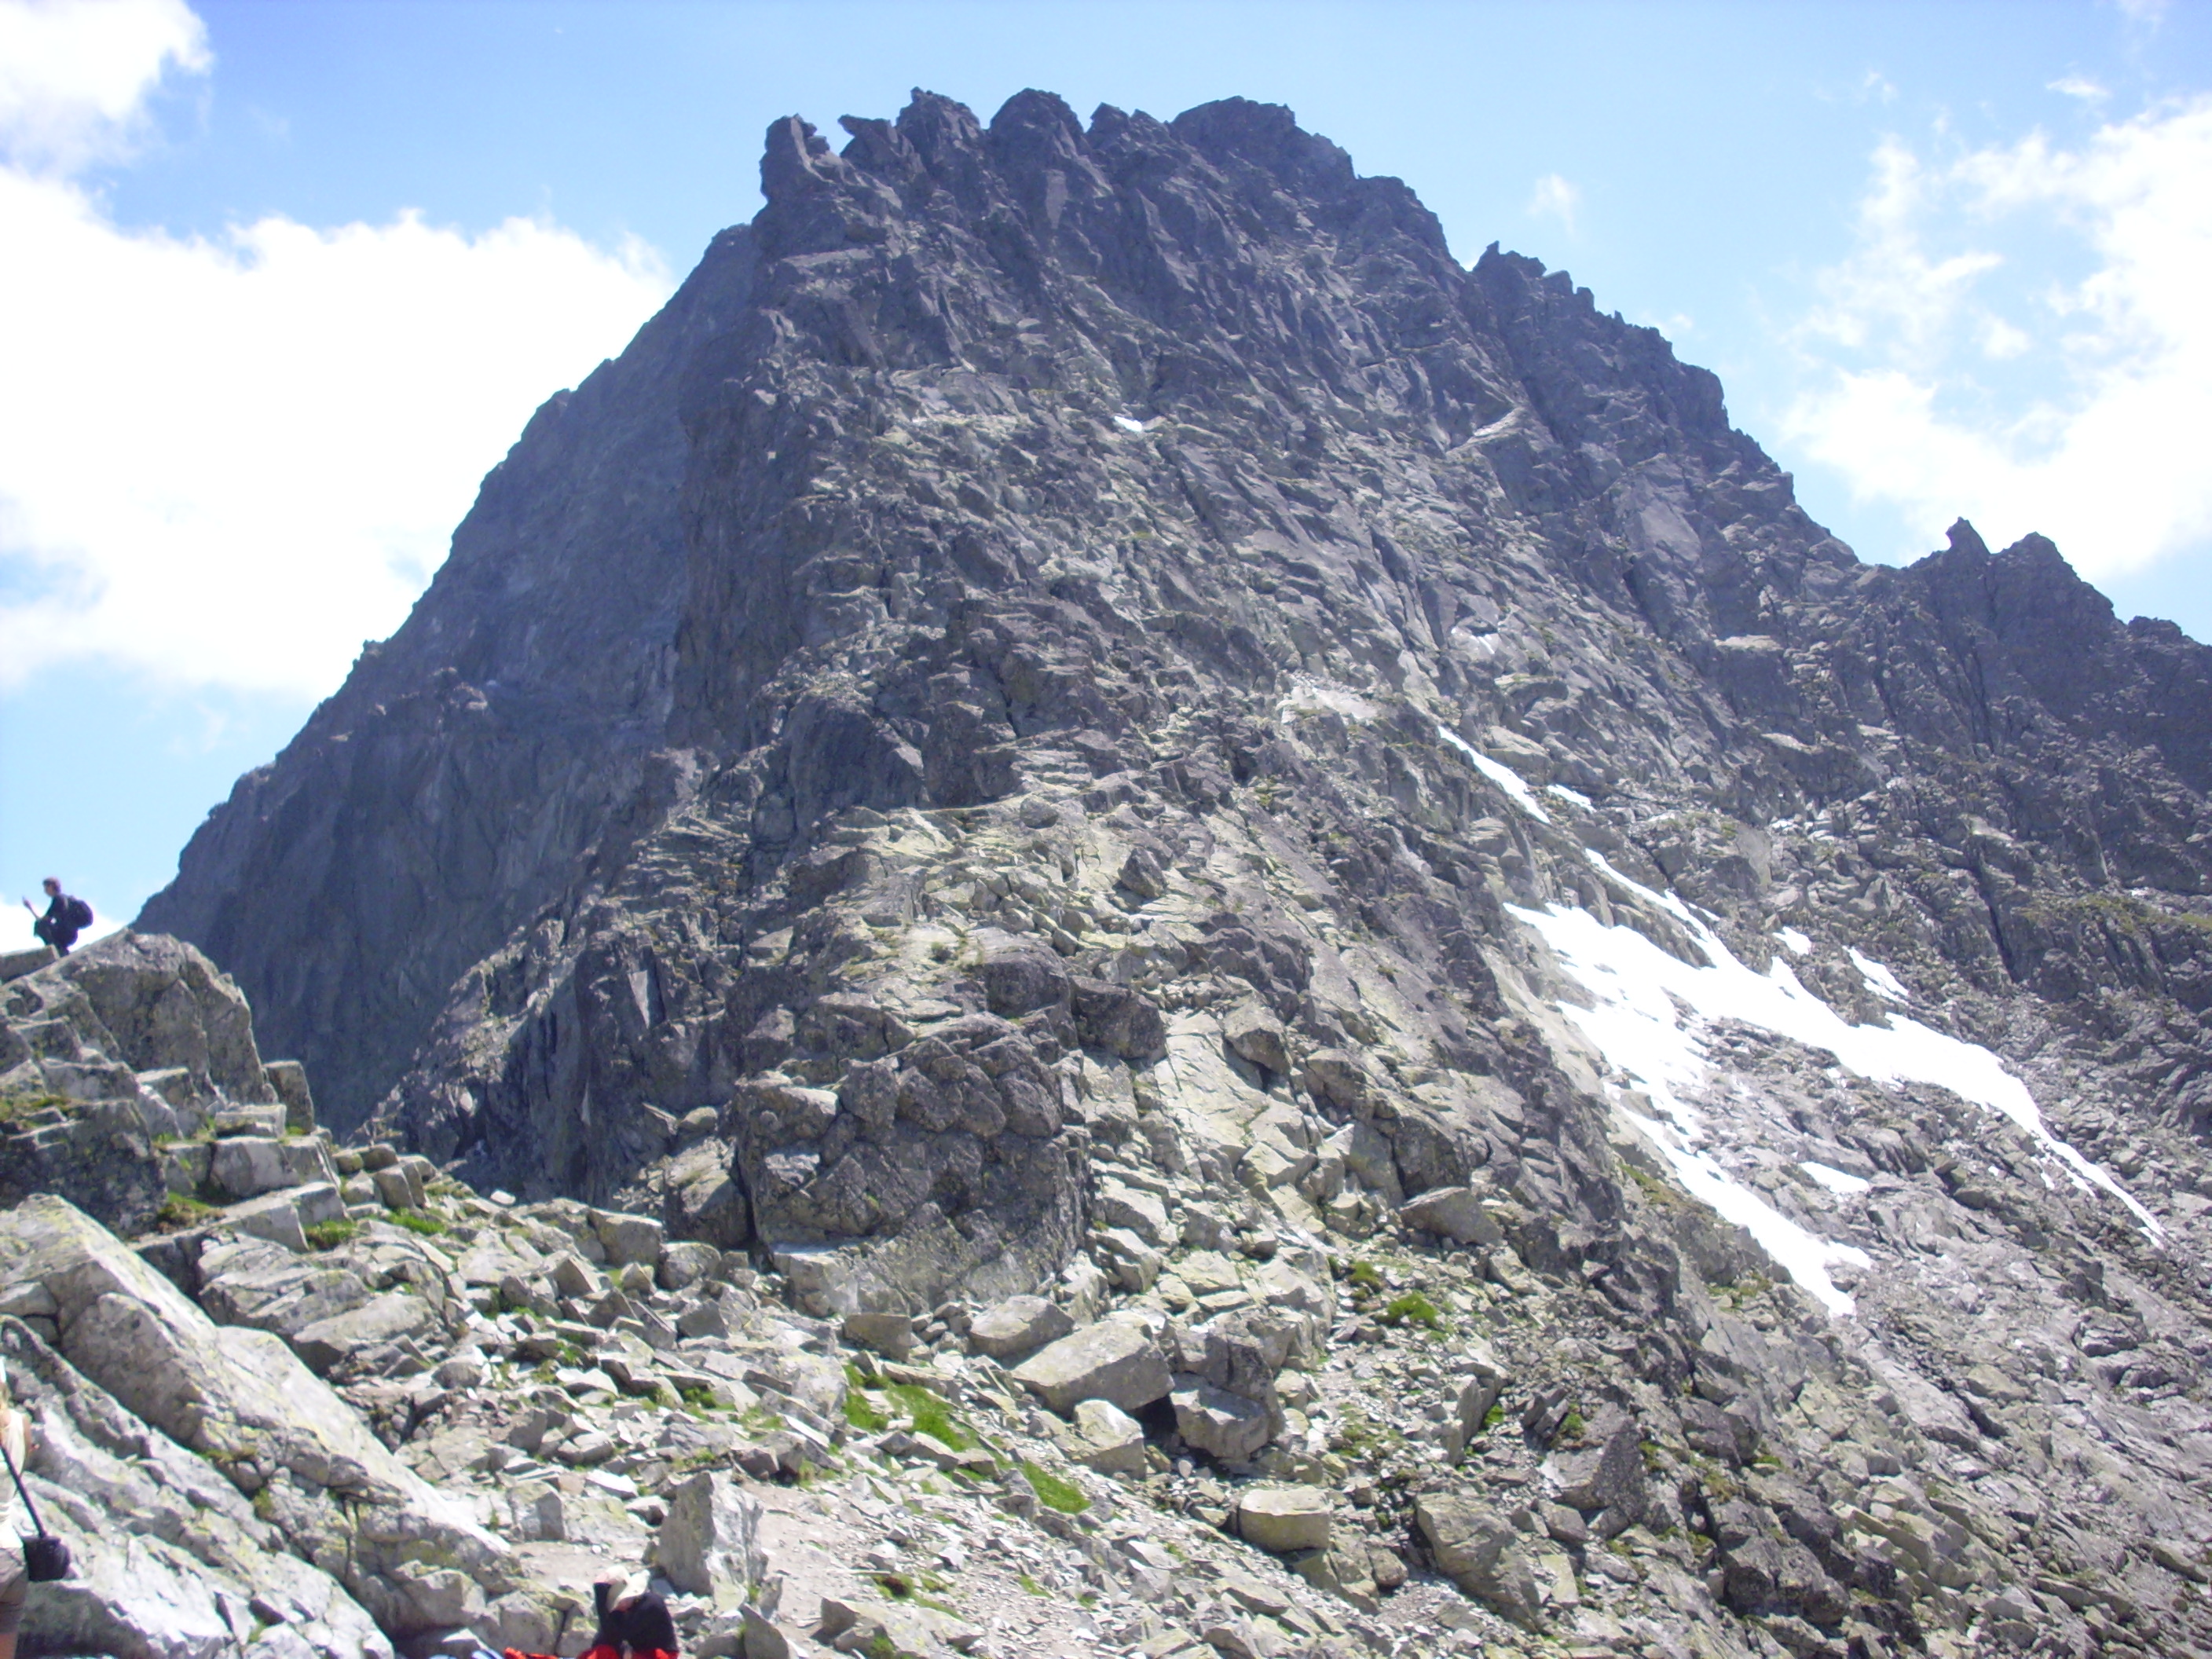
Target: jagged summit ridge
[{"x": 1015, "y": 740}]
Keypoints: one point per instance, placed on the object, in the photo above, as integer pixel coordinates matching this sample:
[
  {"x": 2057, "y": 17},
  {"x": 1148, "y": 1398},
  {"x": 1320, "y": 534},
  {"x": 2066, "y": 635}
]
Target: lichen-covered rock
[{"x": 156, "y": 1532}]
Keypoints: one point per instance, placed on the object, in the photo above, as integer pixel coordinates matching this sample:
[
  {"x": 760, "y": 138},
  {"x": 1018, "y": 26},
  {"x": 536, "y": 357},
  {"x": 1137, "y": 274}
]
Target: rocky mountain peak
[{"x": 1088, "y": 730}]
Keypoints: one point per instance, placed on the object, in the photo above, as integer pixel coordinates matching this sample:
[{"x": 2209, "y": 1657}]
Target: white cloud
[
  {"x": 1555, "y": 198},
  {"x": 2094, "y": 437},
  {"x": 73, "y": 76},
  {"x": 2080, "y": 86},
  {"x": 228, "y": 460}
]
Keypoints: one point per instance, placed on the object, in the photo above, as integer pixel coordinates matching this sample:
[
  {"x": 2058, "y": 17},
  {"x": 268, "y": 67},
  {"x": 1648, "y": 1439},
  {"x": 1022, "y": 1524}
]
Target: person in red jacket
[{"x": 634, "y": 1624}]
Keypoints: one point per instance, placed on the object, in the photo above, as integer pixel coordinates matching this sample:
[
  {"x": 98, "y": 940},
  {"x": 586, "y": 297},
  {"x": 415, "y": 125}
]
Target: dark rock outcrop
[{"x": 1087, "y": 701}]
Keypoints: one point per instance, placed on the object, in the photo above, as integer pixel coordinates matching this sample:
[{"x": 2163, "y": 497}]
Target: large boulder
[
  {"x": 1019, "y": 976},
  {"x": 709, "y": 1544},
  {"x": 1284, "y": 1518},
  {"x": 1106, "y": 1439},
  {"x": 1223, "y": 1424},
  {"x": 1143, "y": 1213},
  {"x": 254, "y": 1282},
  {"x": 1481, "y": 1551},
  {"x": 136, "y": 1037},
  {"x": 132, "y": 1595},
  {"x": 1122, "y": 1021},
  {"x": 1471, "y": 1399},
  {"x": 149, "y": 1002},
  {"x": 1018, "y": 1326},
  {"x": 383, "y": 1321},
  {"x": 245, "y": 1166},
  {"x": 241, "y": 1399},
  {"x": 1226, "y": 1401},
  {"x": 1605, "y": 1472},
  {"x": 629, "y": 1238},
  {"x": 700, "y": 1201},
  {"x": 157, "y": 1533},
  {"x": 1453, "y": 1212},
  {"x": 1113, "y": 1360}
]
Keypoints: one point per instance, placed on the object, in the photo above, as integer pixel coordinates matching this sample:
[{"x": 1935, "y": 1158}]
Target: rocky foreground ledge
[
  {"x": 328, "y": 1401},
  {"x": 331, "y": 1401}
]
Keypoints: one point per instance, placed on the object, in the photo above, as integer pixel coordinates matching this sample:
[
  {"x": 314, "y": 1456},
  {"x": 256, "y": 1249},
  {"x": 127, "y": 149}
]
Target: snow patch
[
  {"x": 1880, "y": 979},
  {"x": 1572, "y": 797},
  {"x": 1836, "y": 1180},
  {"x": 1648, "y": 1015},
  {"x": 1128, "y": 425},
  {"x": 1805, "y": 1256},
  {"x": 1502, "y": 776},
  {"x": 1798, "y": 944}
]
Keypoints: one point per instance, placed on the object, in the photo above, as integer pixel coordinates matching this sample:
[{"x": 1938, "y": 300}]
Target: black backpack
[{"x": 77, "y": 913}]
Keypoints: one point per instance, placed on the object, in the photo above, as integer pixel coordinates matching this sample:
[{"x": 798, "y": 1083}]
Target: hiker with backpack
[{"x": 66, "y": 917}]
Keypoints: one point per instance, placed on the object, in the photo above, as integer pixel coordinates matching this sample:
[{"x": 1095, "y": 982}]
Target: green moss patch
[
  {"x": 1052, "y": 1491},
  {"x": 930, "y": 1415},
  {"x": 1413, "y": 1308}
]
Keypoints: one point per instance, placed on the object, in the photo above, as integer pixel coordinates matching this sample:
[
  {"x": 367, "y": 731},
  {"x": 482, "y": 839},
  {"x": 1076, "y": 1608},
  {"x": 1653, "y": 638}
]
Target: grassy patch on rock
[
  {"x": 16, "y": 1110},
  {"x": 178, "y": 1212},
  {"x": 1052, "y": 1491},
  {"x": 930, "y": 1415},
  {"x": 1413, "y": 1308}
]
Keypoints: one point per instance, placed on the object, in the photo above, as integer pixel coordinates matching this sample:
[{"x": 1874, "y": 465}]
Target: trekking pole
[{"x": 45, "y": 1557}]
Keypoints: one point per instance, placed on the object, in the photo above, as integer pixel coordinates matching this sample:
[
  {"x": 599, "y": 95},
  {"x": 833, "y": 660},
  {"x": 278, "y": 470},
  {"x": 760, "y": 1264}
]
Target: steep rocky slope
[{"x": 1088, "y": 711}]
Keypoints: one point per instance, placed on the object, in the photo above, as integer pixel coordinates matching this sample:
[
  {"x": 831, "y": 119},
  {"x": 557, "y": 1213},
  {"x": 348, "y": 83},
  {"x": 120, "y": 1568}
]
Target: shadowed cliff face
[{"x": 1076, "y": 661}]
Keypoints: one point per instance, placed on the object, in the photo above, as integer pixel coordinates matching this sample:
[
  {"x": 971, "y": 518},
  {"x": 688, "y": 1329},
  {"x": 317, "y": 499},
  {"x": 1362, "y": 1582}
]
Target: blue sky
[{"x": 289, "y": 277}]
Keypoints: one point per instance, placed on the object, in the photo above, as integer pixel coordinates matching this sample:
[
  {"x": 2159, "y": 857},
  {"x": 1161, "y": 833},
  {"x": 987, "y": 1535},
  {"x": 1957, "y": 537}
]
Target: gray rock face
[
  {"x": 1089, "y": 710},
  {"x": 158, "y": 1534}
]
